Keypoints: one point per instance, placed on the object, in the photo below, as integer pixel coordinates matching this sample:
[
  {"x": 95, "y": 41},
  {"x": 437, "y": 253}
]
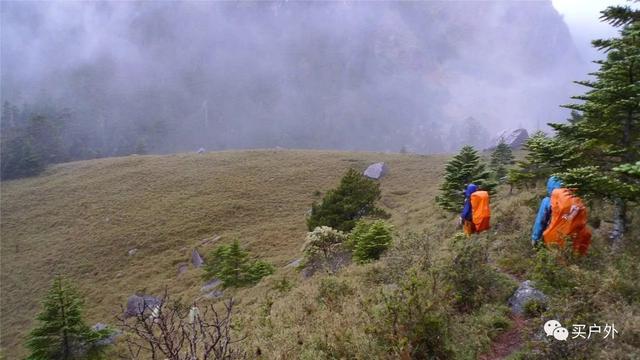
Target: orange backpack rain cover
[
  {"x": 568, "y": 220},
  {"x": 481, "y": 213}
]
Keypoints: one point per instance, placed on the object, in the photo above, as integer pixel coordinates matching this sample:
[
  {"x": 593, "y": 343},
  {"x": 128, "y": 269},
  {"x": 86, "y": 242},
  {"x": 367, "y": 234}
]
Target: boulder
[
  {"x": 132, "y": 252},
  {"x": 139, "y": 304},
  {"x": 515, "y": 138},
  {"x": 376, "y": 171},
  {"x": 210, "y": 285},
  {"x": 196, "y": 259},
  {"x": 525, "y": 293}
]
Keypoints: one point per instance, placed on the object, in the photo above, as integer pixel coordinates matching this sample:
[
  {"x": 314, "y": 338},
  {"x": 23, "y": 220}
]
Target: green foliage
[
  {"x": 231, "y": 264},
  {"x": 534, "y": 308},
  {"x": 466, "y": 167},
  {"x": 604, "y": 132},
  {"x": 550, "y": 271},
  {"x": 259, "y": 269},
  {"x": 19, "y": 159},
  {"x": 62, "y": 332},
  {"x": 501, "y": 159},
  {"x": 542, "y": 159},
  {"x": 472, "y": 279},
  {"x": 414, "y": 325},
  {"x": 369, "y": 240},
  {"x": 340, "y": 208}
]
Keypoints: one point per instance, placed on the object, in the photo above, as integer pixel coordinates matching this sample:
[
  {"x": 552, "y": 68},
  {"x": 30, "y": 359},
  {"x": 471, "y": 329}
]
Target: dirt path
[{"x": 507, "y": 343}]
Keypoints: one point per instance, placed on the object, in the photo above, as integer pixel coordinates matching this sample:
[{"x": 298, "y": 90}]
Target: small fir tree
[
  {"x": 466, "y": 167},
  {"x": 231, "y": 264},
  {"x": 370, "y": 240},
  {"x": 501, "y": 158},
  {"x": 62, "y": 332}
]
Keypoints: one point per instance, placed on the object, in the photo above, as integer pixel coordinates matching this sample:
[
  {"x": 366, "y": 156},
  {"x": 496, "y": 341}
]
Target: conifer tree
[
  {"x": 341, "y": 207},
  {"x": 466, "y": 167},
  {"x": 62, "y": 332},
  {"x": 604, "y": 132},
  {"x": 501, "y": 158},
  {"x": 231, "y": 264}
]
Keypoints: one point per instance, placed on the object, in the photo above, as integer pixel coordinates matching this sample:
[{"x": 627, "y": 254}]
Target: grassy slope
[{"x": 80, "y": 219}]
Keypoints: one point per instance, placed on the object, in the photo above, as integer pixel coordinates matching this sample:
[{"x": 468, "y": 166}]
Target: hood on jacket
[
  {"x": 552, "y": 184},
  {"x": 471, "y": 188}
]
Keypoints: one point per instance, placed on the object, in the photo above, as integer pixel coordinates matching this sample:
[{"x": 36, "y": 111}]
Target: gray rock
[
  {"x": 182, "y": 268},
  {"x": 111, "y": 339},
  {"x": 132, "y": 252},
  {"x": 526, "y": 292},
  {"x": 212, "y": 284},
  {"x": 295, "y": 263},
  {"x": 215, "y": 294},
  {"x": 210, "y": 240},
  {"x": 196, "y": 259},
  {"x": 376, "y": 171},
  {"x": 140, "y": 304},
  {"x": 515, "y": 139},
  {"x": 201, "y": 150}
]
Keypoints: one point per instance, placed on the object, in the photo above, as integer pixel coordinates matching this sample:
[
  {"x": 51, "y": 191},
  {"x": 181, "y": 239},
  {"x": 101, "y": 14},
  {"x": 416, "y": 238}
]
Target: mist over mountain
[{"x": 177, "y": 76}]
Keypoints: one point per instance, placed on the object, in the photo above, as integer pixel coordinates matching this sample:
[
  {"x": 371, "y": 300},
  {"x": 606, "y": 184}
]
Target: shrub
[
  {"x": 322, "y": 241},
  {"x": 550, "y": 272},
  {"x": 340, "y": 208},
  {"x": 414, "y": 324},
  {"x": 231, "y": 264},
  {"x": 369, "y": 240},
  {"x": 469, "y": 273},
  {"x": 332, "y": 289}
]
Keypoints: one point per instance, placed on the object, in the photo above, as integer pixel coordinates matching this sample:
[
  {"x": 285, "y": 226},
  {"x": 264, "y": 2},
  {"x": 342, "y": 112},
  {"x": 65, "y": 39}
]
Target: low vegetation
[{"x": 231, "y": 265}]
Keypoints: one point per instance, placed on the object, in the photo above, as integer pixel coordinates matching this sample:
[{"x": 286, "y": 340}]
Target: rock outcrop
[{"x": 515, "y": 139}]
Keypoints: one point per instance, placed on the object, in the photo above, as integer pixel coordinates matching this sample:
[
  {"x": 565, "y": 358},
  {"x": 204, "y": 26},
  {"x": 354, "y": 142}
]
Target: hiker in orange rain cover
[
  {"x": 562, "y": 216},
  {"x": 476, "y": 214}
]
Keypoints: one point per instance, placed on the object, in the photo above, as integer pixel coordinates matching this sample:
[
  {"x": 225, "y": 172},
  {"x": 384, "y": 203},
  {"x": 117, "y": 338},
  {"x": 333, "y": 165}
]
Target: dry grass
[{"x": 80, "y": 219}]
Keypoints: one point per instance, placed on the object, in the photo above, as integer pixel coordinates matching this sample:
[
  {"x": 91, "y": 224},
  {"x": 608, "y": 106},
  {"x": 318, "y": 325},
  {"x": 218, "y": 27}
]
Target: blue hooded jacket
[
  {"x": 467, "y": 213},
  {"x": 544, "y": 213}
]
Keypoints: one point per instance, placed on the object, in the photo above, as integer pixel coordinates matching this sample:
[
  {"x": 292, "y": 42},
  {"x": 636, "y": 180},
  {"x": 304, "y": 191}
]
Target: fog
[{"x": 335, "y": 75}]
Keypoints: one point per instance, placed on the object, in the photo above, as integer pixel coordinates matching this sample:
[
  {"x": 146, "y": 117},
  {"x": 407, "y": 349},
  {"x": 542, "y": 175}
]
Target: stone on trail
[
  {"x": 138, "y": 304},
  {"x": 376, "y": 171},
  {"x": 525, "y": 293},
  {"x": 196, "y": 259},
  {"x": 132, "y": 252}
]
